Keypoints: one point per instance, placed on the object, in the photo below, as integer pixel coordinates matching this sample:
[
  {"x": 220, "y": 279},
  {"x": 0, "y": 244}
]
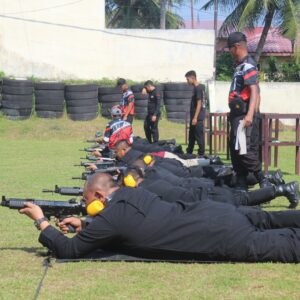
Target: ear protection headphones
[
  {"x": 130, "y": 175},
  {"x": 148, "y": 159},
  {"x": 94, "y": 208}
]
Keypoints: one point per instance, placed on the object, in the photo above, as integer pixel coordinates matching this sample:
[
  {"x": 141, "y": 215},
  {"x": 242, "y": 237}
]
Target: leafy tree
[
  {"x": 225, "y": 67},
  {"x": 285, "y": 14},
  {"x": 142, "y": 14}
]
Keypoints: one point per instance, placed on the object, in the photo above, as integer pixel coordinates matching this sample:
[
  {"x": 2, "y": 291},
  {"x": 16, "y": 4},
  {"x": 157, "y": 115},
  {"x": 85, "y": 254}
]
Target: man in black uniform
[
  {"x": 137, "y": 177},
  {"x": 138, "y": 223},
  {"x": 197, "y": 114},
  {"x": 153, "y": 114},
  {"x": 244, "y": 107}
]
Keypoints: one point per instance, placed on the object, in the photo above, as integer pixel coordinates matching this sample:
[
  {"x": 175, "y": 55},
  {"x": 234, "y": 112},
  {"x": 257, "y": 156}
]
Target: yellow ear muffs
[
  {"x": 94, "y": 208},
  {"x": 148, "y": 159},
  {"x": 129, "y": 181}
]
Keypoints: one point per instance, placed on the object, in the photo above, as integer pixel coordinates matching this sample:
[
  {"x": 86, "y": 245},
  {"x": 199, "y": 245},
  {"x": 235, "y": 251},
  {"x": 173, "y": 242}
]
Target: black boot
[
  {"x": 289, "y": 190},
  {"x": 275, "y": 178},
  {"x": 262, "y": 179}
]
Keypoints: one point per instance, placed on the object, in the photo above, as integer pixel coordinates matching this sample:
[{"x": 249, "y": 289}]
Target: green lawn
[{"x": 37, "y": 154}]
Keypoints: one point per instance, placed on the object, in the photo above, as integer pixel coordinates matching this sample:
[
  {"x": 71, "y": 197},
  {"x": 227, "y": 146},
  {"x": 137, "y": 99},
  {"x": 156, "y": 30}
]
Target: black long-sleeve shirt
[
  {"x": 154, "y": 103},
  {"x": 138, "y": 223}
]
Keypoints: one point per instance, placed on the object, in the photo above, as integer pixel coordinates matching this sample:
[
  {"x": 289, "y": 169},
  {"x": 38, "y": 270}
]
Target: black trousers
[
  {"x": 275, "y": 236},
  {"x": 241, "y": 198},
  {"x": 245, "y": 164},
  {"x": 196, "y": 134},
  {"x": 151, "y": 129}
]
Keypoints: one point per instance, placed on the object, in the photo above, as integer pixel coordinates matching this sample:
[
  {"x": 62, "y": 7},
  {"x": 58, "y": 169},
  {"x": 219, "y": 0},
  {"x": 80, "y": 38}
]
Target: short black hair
[
  {"x": 121, "y": 81},
  {"x": 122, "y": 143},
  {"x": 191, "y": 73},
  {"x": 148, "y": 82}
]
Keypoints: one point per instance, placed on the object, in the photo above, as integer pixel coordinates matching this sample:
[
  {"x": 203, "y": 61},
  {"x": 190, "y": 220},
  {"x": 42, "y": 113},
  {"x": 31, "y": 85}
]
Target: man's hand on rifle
[
  {"x": 32, "y": 211},
  {"x": 35, "y": 213},
  {"x": 74, "y": 222},
  {"x": 92, "y": 167},
  {"x": 96, "y": 153}
]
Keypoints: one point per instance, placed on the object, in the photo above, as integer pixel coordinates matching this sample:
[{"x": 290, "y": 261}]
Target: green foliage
[
  {"x": 284, "y": 14},
  {"x": 291, "y": 71},
  {"x": 287, "y": 71},
  {"x": 225, "y": 66},
  {"x": 140, "y": 14},
  {"x": 2, "y": 74}
]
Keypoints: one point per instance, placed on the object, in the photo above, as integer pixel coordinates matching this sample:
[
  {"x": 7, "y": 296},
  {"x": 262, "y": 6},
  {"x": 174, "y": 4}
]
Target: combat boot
[
  {"x": 289, "y": 190},
  {"x": 275, "y": 178}
]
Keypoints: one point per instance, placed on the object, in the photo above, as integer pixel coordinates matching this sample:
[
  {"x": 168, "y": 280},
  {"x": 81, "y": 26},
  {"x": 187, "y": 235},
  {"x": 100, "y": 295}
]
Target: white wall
[
  {"x": 276, "y": 97},
  {"x": 62, "y": 39}
]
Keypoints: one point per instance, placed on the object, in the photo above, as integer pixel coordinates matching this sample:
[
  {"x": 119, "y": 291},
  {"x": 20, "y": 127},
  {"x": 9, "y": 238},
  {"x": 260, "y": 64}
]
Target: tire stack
[
  {"x": 140, "y": 102},
  {"x": 17, "y": 96},
  {"x": 49, "y": 99},
  {"x": 82, "y": 102},
  {"x": 108, "y": 97},
  {"x": 177, "y": 98}
]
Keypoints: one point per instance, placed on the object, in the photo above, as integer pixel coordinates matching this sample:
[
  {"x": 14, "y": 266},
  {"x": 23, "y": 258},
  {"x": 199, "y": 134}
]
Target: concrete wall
[
  {"x": 276, "y": 97},
  {"x": 62, "y": 39}
]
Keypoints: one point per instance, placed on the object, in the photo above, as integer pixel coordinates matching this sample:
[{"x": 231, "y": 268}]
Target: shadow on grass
[{"x": 36, "y": 250}]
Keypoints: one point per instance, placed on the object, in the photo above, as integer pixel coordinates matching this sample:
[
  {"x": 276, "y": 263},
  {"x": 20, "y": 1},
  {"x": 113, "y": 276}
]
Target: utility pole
[
  {"x": 216, "y": 36},
  {"x": 192, "y": 14}
]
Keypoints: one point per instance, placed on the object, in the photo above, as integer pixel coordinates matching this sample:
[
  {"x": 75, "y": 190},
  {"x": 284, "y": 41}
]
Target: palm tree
[
  {"x": 141, "y": 14},
  {"x": 285, "y": 14}
]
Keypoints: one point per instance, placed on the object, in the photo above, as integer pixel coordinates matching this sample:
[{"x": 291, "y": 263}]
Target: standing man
[
  {"x": 197, "y": 114},
  {"x": 127, "y": 101},
  {"x": 244, "y": 107},
  {"x": 153, "y": 114}
]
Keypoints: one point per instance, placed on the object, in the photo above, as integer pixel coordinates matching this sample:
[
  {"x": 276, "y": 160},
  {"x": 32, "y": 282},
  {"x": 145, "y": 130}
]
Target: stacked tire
[
  {"x": 49, "y": 99},
  {"x": 17, "y": 98},
  {"x": 140, "y": 101},
  {"x": 108, "y": 97},
  {"x": 82, "y": 102},
  {"x": 177, "y": 99}
]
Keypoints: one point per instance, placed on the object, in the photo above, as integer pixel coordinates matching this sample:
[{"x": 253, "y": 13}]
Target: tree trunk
[
  {"x": 192, "y": 14},
  {"x": 163, "y": 8},
  {"x": 261, "y": 43}
]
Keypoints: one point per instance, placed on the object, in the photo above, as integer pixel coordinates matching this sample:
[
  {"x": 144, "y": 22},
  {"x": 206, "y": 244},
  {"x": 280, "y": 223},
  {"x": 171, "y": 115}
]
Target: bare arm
[{"x": 252, "y": 106}]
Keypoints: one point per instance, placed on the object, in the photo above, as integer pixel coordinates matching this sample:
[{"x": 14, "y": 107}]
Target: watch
[{"x": 38, "y": 222}]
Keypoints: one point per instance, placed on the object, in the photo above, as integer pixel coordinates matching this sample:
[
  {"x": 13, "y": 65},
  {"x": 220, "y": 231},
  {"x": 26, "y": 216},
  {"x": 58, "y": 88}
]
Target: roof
[{"x": 275, "y": 42}]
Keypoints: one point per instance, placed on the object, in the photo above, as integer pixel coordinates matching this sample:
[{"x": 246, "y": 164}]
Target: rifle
[
  {"x": 100, "y": 149},
  {"x": 100, "y": 165},
  {"x": 65, "y": 191},
  {"x": 57, "y": 209},
  {"x": 95, "y": 158},
  {"x": 112, "y": 171}
]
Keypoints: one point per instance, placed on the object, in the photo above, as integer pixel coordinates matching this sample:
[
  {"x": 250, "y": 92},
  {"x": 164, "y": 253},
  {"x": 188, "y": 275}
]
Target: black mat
[{"x": 106, "y": 256}]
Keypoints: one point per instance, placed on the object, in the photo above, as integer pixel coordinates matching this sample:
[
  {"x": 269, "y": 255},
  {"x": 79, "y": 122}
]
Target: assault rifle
[
  {"x": 100, "y": 165},
  {"x": 65, "y": 191},
  {"x": 98, "y": 148},
  {"x": 112, "y": 171},
  {"x": 95, "y": 158},
  {"x": 57, "y": 209}
]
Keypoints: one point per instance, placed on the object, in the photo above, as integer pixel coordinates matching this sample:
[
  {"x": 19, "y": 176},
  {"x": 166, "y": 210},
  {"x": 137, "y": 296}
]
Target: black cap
[
  {"x": 121, "y": 81},
  {"x": 235, "y": 37}
]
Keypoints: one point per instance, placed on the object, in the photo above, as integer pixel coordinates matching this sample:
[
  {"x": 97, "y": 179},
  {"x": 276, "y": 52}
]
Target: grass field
[{"x": 37, "y": 154}]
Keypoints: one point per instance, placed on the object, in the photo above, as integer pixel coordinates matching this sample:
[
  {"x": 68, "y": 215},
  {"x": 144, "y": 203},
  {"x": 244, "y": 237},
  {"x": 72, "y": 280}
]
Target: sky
[{"x": 185, "y": 11}]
